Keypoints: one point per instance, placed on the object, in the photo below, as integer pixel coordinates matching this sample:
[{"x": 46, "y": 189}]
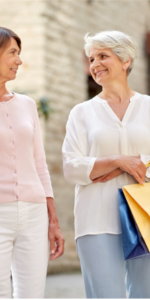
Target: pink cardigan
[{"x": 23, "y": 171}]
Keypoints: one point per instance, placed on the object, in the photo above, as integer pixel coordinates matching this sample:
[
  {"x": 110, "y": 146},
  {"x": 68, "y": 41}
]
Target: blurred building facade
[{"x": 54, "y": 66}]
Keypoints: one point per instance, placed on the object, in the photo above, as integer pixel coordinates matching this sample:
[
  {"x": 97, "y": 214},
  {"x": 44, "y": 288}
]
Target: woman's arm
[
  {"x": 39, "y": 157},
  {"x": 109, "y": 176},
  {"x": 55, "y": 235},
  {"x": 77, "y": 165},
  {"x": 79, "y": 168},
  {"x": 130, "y": 164},
  {"x": 103, "y": 166}
]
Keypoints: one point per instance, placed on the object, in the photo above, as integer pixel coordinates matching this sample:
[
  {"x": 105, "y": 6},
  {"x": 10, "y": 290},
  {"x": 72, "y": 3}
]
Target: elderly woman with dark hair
[
  {"x": 106, "y": 147},
  {"x": 27, "y": 211}
]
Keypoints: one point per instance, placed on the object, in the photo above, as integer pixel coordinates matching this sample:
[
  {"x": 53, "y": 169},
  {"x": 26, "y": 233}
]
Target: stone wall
[{"x": 52, "y": 32}]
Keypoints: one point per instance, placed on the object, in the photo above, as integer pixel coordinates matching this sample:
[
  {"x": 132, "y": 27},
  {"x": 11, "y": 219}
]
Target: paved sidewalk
[{"x": 65, "y": 286}]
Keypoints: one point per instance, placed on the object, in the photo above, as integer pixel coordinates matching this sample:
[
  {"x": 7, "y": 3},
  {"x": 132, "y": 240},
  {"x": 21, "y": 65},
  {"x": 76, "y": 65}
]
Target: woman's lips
[
  {"x": 14, "y": 70},
  {"x": 99, "y": 73}
]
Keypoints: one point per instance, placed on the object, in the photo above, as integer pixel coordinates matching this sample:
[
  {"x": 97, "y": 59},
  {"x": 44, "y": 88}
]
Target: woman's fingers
[
  {"x": 52, "y": 244},
  {"x": 138, "y": 178},
  {"x": 131, "y": 165},
  {"x": 141, "y": 176},
  {"x": 134, "y": 166},
  {"x": 109, "y": 176},
  {"x": 56, "y": 243},
  {"x": 59, "y": 250},
  {"x": 99, "y": 179},
  {"x": 139, "y": 173}
]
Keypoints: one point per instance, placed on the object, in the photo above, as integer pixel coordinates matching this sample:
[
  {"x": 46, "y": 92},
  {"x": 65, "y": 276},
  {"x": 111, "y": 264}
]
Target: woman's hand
[
  {"x": 55, "y": 235},
  {"x": 133, "y": 166},
  {"x": 56, "y": 241},
  {"x": 109, "y": 176},
  {"x": 108, "y": 164}
]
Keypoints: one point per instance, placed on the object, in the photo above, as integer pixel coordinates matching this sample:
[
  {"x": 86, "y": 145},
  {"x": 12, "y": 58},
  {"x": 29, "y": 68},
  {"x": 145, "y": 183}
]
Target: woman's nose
[
  {"x": 19, "y": 61},
  {"x": 96, "y": 63}
]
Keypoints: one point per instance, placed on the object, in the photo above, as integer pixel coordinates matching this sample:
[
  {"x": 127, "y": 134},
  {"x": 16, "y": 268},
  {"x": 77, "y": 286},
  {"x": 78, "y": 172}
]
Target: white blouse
[{"x": 94, "y": 130}]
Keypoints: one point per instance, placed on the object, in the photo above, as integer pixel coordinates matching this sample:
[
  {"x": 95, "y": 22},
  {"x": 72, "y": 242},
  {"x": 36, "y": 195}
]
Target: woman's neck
[
  {"x": 5, "y": 95},
  {"x": 116, "y": 93}
]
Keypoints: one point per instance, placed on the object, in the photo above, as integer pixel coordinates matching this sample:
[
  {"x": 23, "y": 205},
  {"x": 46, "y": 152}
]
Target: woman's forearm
[
  {"x": 55, "y": 235},
  {"x": 104, "y": 166},
  {"x": 108, "y": 164},
  {"x": 52, "y": 211}
]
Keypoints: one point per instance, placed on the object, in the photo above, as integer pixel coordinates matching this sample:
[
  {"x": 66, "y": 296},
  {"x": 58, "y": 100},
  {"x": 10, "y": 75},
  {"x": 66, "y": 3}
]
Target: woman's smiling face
[
  {"x": 9, "y": 61},
  {"x": 105, "y": 66}
]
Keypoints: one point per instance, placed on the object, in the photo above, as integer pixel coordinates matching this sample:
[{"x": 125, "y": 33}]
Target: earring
[{"x": 124, "y": 68}]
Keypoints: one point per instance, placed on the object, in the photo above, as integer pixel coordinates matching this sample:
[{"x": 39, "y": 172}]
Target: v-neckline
[{"x": 113, "y": 114}]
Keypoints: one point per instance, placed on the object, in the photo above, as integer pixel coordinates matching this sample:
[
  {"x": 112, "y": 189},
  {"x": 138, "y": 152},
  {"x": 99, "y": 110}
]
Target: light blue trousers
[{"x": 106, "y": 274}]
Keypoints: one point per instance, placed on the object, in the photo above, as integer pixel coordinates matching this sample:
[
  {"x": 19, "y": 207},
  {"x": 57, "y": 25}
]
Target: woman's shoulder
[
  {"x": 143, "y": 96},
  {"x": 25, "y": 100},
  {"x": 23, "y": 97},
  {"x": 82, "y": 107},
  {"x": 144, "y": 101}
]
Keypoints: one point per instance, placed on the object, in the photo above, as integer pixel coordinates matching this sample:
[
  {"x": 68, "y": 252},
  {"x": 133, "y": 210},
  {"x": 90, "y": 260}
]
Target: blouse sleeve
[
  {"x": 40, "y": 159},
  {"x": 77, "y": 166}
]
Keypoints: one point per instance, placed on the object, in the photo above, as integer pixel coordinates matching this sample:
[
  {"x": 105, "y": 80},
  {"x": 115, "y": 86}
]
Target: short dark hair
[{"x": 5, "y": 36}]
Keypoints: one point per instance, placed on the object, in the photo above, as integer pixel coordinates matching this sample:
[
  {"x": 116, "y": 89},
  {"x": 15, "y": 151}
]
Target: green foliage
[{"x": 44, "y": 108}]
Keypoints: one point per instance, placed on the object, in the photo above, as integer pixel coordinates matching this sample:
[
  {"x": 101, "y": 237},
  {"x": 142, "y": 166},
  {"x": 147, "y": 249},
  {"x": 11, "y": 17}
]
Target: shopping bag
[
  {"x": 134, "y": 206},
  {"x": 134, "y": 245}
]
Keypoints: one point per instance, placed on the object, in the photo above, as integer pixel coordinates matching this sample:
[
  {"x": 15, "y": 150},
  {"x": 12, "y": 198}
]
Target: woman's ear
[{"x": 127, "y": 64}]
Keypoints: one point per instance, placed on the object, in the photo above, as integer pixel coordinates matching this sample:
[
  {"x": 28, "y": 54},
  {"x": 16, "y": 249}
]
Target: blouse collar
[{"x": 100, "y": 100}]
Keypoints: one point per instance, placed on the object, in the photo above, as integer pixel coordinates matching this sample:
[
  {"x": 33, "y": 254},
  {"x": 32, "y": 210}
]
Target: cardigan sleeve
[
  {"x": 40, "y": 159},
  {"x": 76, "y": 165}
]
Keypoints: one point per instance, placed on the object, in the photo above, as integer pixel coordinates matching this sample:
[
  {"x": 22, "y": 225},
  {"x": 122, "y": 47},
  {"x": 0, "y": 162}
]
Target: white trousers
[{"x": 24, "y": 249}]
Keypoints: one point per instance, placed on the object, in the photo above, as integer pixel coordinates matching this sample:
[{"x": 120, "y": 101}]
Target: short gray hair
[{"x": 123, "y": 45}]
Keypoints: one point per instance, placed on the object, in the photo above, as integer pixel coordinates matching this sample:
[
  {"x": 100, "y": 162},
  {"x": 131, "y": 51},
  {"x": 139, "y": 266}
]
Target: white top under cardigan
[{"x": 94, "y": 130}]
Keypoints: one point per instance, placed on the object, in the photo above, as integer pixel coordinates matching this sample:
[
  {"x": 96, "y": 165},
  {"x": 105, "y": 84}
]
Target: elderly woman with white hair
[{"x": 106, "y": 146}]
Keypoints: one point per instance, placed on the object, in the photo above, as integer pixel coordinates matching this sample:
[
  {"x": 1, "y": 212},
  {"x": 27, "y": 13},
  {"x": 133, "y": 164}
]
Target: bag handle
[{"x": 148, "y": 164}]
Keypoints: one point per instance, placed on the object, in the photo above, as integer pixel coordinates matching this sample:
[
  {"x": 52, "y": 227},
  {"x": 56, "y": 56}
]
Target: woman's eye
[
  {"x": 103, "y": 55},
  {"x": 91, "y": 60}
]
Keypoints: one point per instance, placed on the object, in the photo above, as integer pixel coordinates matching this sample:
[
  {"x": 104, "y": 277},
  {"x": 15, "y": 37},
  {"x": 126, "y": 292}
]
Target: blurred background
[{"x": 55, "y": 74}]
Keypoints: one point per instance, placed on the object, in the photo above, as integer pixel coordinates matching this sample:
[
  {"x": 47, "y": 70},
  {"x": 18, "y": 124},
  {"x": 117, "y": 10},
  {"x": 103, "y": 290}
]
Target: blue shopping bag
[{"x": 133, "y": 243}]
